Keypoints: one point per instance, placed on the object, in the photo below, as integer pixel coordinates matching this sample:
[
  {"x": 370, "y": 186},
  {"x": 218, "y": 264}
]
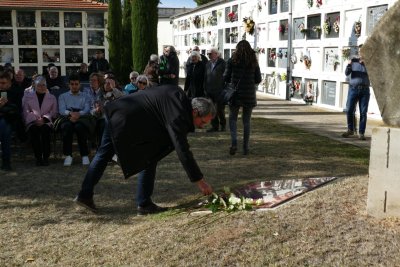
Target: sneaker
[
  {"x": 362, "y": 137},
  {"x": 115, "y": 158},
  {"x": 150, "y": 209},
  {"x": 85, "y": 160},
  {"x": 68, "y": 161},
  {"x": 87, "y": 203},
  {"x": 348, "y": 133}
]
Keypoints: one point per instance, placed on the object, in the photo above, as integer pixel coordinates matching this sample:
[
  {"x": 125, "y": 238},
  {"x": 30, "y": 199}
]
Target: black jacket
[
  {"x": 246, "y": 80},
  {"x": 150, "y": 124},
  {"x": 194, "y": 83},
  {"x": 169, "y": 65},
  {"x": 213, "y": 80}
]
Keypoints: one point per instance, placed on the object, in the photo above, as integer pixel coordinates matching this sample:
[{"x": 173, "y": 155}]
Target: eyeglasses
[{"x": 144, "y": 83}]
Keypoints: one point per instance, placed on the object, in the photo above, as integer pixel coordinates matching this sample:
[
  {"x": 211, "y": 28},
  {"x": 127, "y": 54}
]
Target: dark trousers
[
  {"x": 5, "y": 139},
  {"x": 219, "y": 119},
  {"x": 99, "y": 163},
  {"x": 40, "y": 139},
  {"x": 68, "y": 129}
]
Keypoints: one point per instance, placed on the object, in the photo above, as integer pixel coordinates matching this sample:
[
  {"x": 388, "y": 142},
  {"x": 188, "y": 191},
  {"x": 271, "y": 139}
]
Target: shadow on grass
[{"x": 276, "y": 152}]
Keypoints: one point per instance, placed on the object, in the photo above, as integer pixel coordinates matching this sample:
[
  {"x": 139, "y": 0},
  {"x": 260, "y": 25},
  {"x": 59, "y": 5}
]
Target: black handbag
[{"x": 228, "y": 94}]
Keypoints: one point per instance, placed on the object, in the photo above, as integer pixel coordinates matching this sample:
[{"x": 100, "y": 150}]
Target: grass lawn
[{"x": 40, "y": 225}]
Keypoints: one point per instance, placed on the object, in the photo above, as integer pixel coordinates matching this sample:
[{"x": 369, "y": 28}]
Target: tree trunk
[
  {"x": 115, "y": 35},
  {"x": 126, "y": 58},
  {"x": 144, "y": 32}
]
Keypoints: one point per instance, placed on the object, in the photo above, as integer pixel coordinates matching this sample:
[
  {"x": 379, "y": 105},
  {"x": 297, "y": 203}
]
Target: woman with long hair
[{"x": 243, "y": 72}]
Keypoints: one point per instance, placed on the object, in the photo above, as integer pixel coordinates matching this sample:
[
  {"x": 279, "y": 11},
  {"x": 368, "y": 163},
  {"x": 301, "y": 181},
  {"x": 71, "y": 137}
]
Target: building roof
[
  {"x": 205, "y": 6},
  {"x": 53, "y": 4},
  {"x": 167, "y": 12}
]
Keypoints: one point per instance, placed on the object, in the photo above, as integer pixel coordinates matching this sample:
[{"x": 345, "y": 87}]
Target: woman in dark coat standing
[
  {"x": 194, "y": 83},
  {"x": 242, "y": 70}
]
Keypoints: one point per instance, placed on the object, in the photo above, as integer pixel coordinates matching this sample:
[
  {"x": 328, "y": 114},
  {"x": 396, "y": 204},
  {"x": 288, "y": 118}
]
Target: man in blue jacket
[
  {"x": 358, "y": 92},
  {"x": 142, "y": 129}
]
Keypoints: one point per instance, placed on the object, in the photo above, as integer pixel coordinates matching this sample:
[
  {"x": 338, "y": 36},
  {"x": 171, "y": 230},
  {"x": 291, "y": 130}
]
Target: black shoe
[
  {"x": 39, "y": 162},
  {"x": 150, "y": 209},
  {"x": 87, "y": 203},
  {"x": 212, "y": 130},
  {"x": 232, "y": 150},
  {"x": 223, "y": 129},
  {"x": 6, "y": 166},
  {"x": 45, "y": 162}
]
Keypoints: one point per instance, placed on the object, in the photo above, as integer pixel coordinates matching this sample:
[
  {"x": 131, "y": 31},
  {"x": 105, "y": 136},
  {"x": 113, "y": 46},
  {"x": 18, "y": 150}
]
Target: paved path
[{"x": 314, "y": 119}]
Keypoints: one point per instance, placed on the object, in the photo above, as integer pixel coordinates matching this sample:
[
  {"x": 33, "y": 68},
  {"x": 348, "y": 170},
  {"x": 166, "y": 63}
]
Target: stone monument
[{"x": 381, "y": 53}]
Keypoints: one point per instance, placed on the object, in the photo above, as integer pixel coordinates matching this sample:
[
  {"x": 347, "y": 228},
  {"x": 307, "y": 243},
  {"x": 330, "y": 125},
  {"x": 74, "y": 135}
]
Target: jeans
[
  {"x": 68, "y": 128},
  {"x": 5, "y": 139},
  {"x": 362, "y": 97},
  {"x": 246, "y": 116},
  {"x": 99, "y": 163}
]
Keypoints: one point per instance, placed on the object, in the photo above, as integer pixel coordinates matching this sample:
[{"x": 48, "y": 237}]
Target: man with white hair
[
  {"x": 204, "y": 59},
  {"x": 213, "y": 85}
]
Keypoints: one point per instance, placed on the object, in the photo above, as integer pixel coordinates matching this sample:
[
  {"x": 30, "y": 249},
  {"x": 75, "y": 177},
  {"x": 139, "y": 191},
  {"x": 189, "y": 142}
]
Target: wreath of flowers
[
  {"x": 283, "y": 28},
  {"x": 302, "y": 29},
  {"x": 336, "y": 24},
  {"x": 310, "y": 3},
  {"x": 212, "y": 20},
  {"x": 232, "y": 16},
  {"x": 297, "y": 85},
  {"x": 319, "y": 3},
  {"x": 280, "y": 54},
  {"x": 259, "y": 50},
  {"x": 196, "y": 21},
  {"x": 283, "y": 76},
  {"x": 196, "y": 41},
  {"x": 233, "y": 34},
  {"x": 317, "y": 29},
  {"x": 307, "y": 62},
  {"x": 346, "y": 53},
  {"x": 272, "y": 54},
  {"x": 357, "y": 28},
  {"x": 327, "y": 26},
  {"x": 249, "y": 25}
]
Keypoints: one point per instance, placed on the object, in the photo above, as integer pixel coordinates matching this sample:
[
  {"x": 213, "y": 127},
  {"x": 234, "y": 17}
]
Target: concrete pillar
[{"x": 384, "y": 173}]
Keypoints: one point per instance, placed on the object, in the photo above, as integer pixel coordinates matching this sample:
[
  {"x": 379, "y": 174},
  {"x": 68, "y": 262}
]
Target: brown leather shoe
[{"x": 87, "y": 203}]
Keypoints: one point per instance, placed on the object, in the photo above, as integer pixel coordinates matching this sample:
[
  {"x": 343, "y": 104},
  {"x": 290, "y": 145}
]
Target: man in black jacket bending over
[{"x": 142, "y": 129}]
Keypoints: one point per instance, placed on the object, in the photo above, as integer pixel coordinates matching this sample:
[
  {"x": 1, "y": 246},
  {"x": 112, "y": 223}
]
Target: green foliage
[
  {"x": 115, "y": 35},
  {"x": 144, "y": 32},
  {"x": 202, "y": 2},
  {"x": 126, "y": 52}
]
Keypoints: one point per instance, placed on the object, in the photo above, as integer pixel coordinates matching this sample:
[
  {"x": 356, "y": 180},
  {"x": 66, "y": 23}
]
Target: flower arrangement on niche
[
  {"x": 196, "y": 21},
  {"x": 336, "y": 24},
  {"x": 259, "y": 50},
  {"x": 283, "y": 28},
  {"x": 196, "y": 41},
  {"x": 272, "y": 54},
  {"x": 249, "y": 25},
  {"x": 317, "y": 29},
  {"x": 357, "y": 28},
  {"x": 302, "y": 29},
  {"x": 346, "y": 53},
  {"x": 310, "y": 3},
  {"x": 307, "y": 62},
  {"x": 319, "y": 3},
  {"x": 293, "y": 58},
  {"x": 327, "y": 26},
  {"x": 283, "y": 76},
  {"x": 232, "y": 16},
  {"x": 212, "y": 20}
]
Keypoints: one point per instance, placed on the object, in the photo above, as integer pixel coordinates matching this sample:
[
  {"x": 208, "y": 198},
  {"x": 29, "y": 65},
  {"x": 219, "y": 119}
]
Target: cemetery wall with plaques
[
  {"x": 324, "y": 37},
  {"x": 31, "y": 39}
]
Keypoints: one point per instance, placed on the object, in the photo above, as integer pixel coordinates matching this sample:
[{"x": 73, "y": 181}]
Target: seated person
[
  {"x": 142, "y": 82},
  {"x": 74, "y": 106},
  {"x": 10, "y": 118},
  {"x": 39, "y": 109},
  {"x": 96, "y": 82},
  {"x": 110, "y": 93},
  {"x": 131, "y": 87},
  {"x": 55, "y": 83}
]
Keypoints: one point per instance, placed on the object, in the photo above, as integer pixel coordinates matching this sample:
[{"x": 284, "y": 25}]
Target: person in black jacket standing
[
  {"x": 194, "y": 83},
  {"x": 213, "y": 85},
  {"x": 169, "y": 66},
  {"x": 243, "y": 71},
  {"x": 143, "y": 128}
]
